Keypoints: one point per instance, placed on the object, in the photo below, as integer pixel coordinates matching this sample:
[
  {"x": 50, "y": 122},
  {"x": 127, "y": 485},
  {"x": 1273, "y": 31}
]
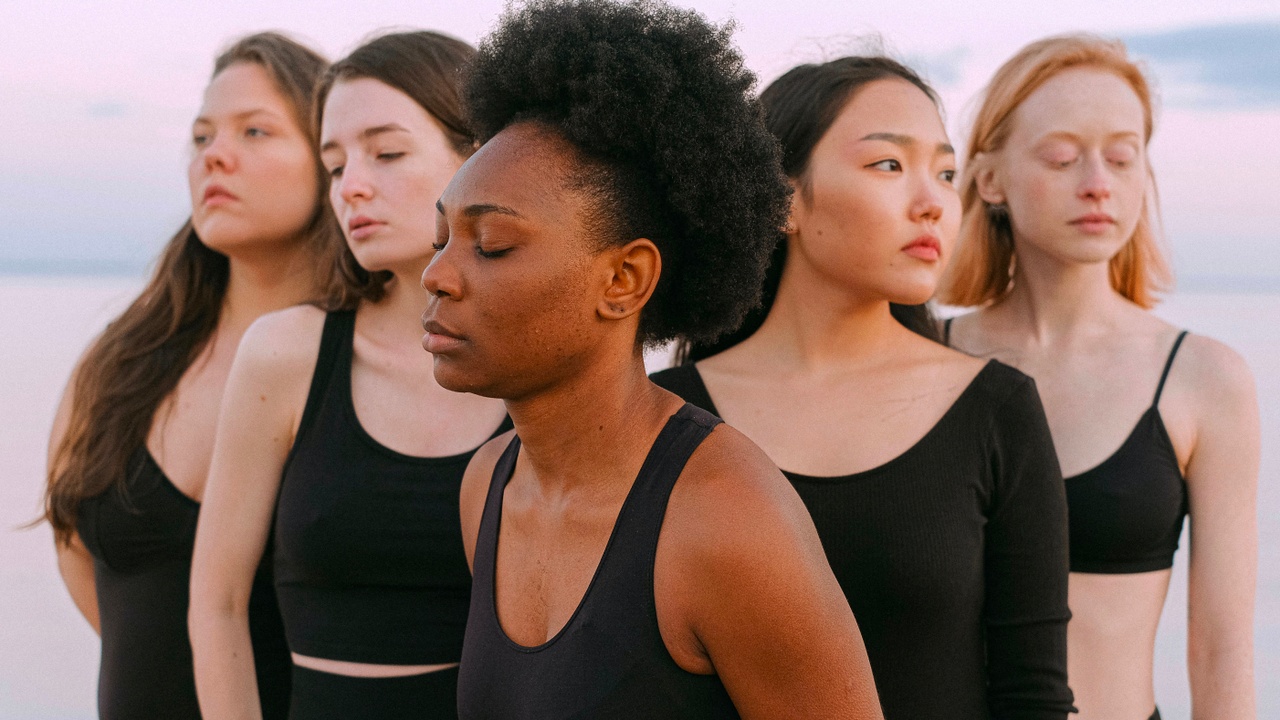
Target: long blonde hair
[{"x": 982, "y": 270}]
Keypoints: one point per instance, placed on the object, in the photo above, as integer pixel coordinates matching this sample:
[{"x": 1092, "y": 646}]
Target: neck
[
  {"x": 399, "y": 313},
  {"x": 816, "y": 323},
  {"x": 1056, "y": 300},
  {"x": 265, "y": 282},
  {"x": 587, "y": 430}
]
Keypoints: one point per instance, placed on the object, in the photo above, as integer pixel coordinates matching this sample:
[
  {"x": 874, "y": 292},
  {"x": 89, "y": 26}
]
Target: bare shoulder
[
  {"x": 475, "y": 487},
  {"x": 729, "y": 496},
  {"x": 283, "y": 343},
  {"x": 1217, "y": 373}
]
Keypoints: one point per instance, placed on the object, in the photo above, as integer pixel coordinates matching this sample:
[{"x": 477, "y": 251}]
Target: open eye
[
  {"x": 948, "y": 176},
  {"x": 335, "y": 172},
  {"x": 889, "y": 165},
  {"x": 255, "y": 132}
]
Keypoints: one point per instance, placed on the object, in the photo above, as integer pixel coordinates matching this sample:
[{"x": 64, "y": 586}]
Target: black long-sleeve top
[{"x": 953, "y": 556}]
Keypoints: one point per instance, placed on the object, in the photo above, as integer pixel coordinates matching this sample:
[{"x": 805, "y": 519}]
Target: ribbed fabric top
[
  {"x": 369, "y": 560},
  {"x": 609, "y": 660},
  {"x": 953, "y": 556},
  {"x": 141, "y": 542}
]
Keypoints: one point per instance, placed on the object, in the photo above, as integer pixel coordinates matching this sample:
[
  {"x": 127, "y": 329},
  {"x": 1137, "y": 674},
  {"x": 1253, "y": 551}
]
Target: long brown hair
[
  {"x": 800, "y": 107},
  {"x": 140, "y": 357},
  {"x": 427, "y": 66},
  {"x": 982, "y": 270}
]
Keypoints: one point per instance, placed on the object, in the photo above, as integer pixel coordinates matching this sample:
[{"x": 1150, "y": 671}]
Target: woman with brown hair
[
  {"x": 131, "y": 443},
  {"x": 930, "y": 475},
  {"x": 1058, "y": 251},
  {"x": 351, "y": 457}
]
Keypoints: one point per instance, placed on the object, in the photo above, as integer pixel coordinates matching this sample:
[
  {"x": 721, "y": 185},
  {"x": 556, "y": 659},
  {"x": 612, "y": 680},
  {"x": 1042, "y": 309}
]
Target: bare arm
[
  {"x": 75, "y": 564},
  {"x": 1222, "y": 481},
  {"x": 760, "y": 600},
  {"x": 265, "y": 394}
]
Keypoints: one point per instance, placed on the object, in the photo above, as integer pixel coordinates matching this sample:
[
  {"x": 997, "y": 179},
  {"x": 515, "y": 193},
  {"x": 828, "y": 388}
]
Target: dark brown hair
[
  {"x": 140, "y": 357},
  {"x": 800, "y": 107},
  {"x": 427, "y": 66}
]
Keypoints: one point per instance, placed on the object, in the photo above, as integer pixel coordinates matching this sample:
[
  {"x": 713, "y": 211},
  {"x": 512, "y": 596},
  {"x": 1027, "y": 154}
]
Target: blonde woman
[{"x": 1151, "y": 424}]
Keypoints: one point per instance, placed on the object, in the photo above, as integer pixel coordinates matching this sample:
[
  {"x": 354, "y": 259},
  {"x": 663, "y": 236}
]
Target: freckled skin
[{"x": 513, "y": 347}]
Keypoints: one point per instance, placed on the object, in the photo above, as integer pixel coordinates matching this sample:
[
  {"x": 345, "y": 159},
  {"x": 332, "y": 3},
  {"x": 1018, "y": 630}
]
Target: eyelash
[
  {"x": 897, "y": 166},
  {"x": 491, "y": 254}
]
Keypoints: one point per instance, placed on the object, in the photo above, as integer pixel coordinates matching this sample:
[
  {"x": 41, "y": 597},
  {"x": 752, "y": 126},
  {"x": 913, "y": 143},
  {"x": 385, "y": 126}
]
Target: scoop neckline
[{"x": 889, "y": 464}]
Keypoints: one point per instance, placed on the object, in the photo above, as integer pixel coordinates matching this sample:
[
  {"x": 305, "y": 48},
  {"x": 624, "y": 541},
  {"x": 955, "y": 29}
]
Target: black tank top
[
  {"x": 1126, "y": 513},
  {"x": 609, "y": 660},
  {"x": 141, "y": 541},
  {"x": 369, "y": 560}
]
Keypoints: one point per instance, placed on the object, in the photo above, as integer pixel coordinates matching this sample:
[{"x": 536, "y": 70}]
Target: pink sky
[{"x": 98, "y": 96}]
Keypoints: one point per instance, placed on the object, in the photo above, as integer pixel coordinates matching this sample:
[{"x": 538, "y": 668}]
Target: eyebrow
[
  {"x": 368, "y": 133},
  {"x": 238, "y": 116},
  {"x": 479, "y": 209},
  {"x": 1066, "y": 135},
  {"x": 906, "y": 141}
]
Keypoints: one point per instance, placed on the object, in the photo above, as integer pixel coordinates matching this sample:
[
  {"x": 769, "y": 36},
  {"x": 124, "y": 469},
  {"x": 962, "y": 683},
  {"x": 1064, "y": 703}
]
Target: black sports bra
[
  {"x": 1126, "y": 513},
  {"x": 369, "y": 563}
]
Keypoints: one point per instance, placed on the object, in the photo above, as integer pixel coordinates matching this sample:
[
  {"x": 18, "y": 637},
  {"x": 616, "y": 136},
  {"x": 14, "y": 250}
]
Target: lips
[
  {"x": 925, "y": 247},
  {"x": 215, "y": 194},
  {"x": 439, "y": 339},
  {"x": 361, "y": 227},
  {"x": 1094, "y": 223}
]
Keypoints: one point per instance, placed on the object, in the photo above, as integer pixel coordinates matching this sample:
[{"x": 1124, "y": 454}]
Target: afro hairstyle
[{"x": 671, "y": 143}]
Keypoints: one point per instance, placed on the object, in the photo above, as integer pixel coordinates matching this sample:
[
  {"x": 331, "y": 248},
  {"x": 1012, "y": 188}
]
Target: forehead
[
  {"x": 1083, "y": 101},
  {"x": 241, "y": 88},
  {"x": 523, "y": 168},
  {"x": 890, "y": 105},
  {"x": 359, "y": 103}
]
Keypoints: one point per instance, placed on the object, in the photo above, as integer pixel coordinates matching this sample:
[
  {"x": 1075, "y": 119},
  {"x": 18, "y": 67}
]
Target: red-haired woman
[{"x": 1151, "y": 424}]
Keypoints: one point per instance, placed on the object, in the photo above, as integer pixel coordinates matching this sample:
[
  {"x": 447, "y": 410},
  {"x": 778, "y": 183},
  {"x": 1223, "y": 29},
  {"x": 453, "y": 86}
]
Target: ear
[
  {"x": 987, "y": 180},
  {"x": 633, "y": 271}
]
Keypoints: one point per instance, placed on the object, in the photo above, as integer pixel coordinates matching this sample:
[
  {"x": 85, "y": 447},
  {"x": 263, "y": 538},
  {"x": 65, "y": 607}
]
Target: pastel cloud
[{"x": 1215, "y": 66}]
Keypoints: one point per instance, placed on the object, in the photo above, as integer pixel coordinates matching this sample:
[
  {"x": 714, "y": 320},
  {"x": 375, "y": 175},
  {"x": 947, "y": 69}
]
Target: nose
[
  {"x": 926, "y": 206},
  {"x": 441, "y": 278},
  {"x": 219, "y": 154},
  {"x": 1096, "y": 183},
  {"x": 355, "y": 182}
]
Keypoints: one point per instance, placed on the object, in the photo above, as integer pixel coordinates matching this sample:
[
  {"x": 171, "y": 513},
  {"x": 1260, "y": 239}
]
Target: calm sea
[{"x": 49, "y": 655}]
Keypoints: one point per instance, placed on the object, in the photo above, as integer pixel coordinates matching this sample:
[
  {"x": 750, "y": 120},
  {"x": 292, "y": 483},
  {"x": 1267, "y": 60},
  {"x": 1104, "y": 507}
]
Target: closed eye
[{"x": 491, "y": 254}]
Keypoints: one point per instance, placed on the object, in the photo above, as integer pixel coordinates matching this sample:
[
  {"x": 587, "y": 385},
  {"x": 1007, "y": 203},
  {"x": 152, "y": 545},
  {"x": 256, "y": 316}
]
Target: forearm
[
  {"x": 1221, "y": 675},
  {"x": 222, "y": 650}
]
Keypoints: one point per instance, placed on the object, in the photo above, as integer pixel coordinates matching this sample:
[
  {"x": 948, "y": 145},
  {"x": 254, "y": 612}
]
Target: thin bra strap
[
  {"x": 1168, "y": 365},
  {"x": 946, "y": 331}
]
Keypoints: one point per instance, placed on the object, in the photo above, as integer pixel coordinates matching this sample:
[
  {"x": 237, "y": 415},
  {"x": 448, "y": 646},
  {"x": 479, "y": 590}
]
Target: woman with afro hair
[{"x": 632, "y": 556}]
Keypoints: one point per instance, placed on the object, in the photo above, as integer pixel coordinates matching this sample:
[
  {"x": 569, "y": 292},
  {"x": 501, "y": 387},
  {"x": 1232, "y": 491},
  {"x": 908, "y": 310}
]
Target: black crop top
[
  {"x": 141, "y": 542},
  {"x": 1126, "y": 513},
  {"x": 369, "y": 560},
  {"x": 953, "y": 556},
  {"x": 609, "y": 660}
]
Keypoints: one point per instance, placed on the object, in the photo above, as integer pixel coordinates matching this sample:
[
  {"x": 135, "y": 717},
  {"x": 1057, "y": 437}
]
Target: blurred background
[{"x": 97, "y": 98}]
